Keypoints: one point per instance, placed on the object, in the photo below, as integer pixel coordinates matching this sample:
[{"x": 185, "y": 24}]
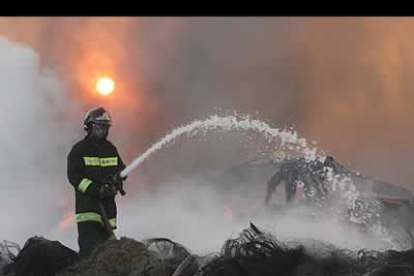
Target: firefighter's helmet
[{"x": 96, "y": 115}]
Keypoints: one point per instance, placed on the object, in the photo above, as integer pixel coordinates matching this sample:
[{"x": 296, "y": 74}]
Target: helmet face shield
[{"x": 100, "y": 131}]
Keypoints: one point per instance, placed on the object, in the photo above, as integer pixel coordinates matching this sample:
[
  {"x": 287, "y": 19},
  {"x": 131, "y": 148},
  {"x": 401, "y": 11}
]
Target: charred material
[
  {"x": 370, "y": 196},
  {"x": 124, "y": 257},
  {"x": 292, "y": 171},
  {"x": 177, "y": 258},
  {"x": 41, "y": 257},
  {"x": 158, "y": 256},
  {"x": 254, "y": 252},
  {"x": 258, "y": 253},
  {"x": 7, "y": 256}
]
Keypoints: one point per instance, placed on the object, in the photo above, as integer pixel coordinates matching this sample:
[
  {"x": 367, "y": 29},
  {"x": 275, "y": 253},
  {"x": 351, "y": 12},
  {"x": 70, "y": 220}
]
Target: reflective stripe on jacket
[{"x": 89, "y": 165}]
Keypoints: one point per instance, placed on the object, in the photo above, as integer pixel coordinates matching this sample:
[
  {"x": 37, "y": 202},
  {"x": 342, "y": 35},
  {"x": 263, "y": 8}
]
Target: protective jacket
[{"x": 89, "y": 165}]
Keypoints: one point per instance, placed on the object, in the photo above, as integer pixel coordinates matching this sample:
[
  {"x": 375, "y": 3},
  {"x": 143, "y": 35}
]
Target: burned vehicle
[{"x": 387, "y": 202}]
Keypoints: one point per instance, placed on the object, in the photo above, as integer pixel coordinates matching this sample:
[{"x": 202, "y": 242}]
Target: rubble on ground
[
  {"x": 40, "y": 257},
  {"x": 123, "y": 257},
  {"x": 254, "y": 252}
]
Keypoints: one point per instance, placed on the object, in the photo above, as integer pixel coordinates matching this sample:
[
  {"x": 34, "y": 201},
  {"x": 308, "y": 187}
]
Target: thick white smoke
[
  {"x": 34, "y": 141},
  {"x": 195, "y": 214}
]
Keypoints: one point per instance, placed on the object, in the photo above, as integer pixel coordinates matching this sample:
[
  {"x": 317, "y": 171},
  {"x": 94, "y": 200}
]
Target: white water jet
[{"x": 287, "y": 138}]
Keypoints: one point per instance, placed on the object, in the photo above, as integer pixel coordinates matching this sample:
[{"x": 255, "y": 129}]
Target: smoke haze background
[{"x": 343, "y": 82}]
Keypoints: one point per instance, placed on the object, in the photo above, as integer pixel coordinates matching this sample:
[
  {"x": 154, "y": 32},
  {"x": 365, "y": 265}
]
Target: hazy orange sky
[{"x": 343, "y": 82}]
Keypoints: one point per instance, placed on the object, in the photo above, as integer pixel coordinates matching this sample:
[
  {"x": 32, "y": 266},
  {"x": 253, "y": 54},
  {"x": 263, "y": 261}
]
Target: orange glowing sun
[{"x": 105, "y": 86}]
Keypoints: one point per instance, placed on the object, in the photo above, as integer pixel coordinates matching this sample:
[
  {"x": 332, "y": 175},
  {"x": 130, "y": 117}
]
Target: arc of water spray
[
  {"x": 227, "y": 123},
  {"x": 242, "y": 123}
]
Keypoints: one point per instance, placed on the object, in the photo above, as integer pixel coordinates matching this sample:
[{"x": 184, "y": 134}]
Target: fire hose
[{"x": 121, "y": 174}]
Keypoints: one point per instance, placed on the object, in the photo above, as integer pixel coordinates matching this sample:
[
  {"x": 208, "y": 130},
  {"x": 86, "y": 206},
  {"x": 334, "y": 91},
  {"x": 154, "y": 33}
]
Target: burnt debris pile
[
  {"x": 253, "y": 252},
  {"x": 256, "y": 252},
  {"x": 119, "y": 257},
  {"x": 40, "y": 257}
]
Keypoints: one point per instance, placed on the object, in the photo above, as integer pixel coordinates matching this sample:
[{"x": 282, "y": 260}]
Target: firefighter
[
  {"x": 93, "y": 169},
  {"x": 290, "y": 173}
]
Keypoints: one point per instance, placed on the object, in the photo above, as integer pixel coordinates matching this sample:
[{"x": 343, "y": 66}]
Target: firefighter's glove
[
  {"x": 118, "y": 179},
  {"x": 118, "y": 182},
  {"x": 107, "y": 191}
]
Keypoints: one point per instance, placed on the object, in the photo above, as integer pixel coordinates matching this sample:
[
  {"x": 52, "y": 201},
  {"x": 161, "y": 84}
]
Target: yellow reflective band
[
  {"x": 91, "y": 161},
  {"x": 88, "y": 217},
  {"x": 84, "y": 184},
  {"x": 110, "y": 161},
  {"x": 112, "y": 222},
  {"x": 103, "y": 162}
]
